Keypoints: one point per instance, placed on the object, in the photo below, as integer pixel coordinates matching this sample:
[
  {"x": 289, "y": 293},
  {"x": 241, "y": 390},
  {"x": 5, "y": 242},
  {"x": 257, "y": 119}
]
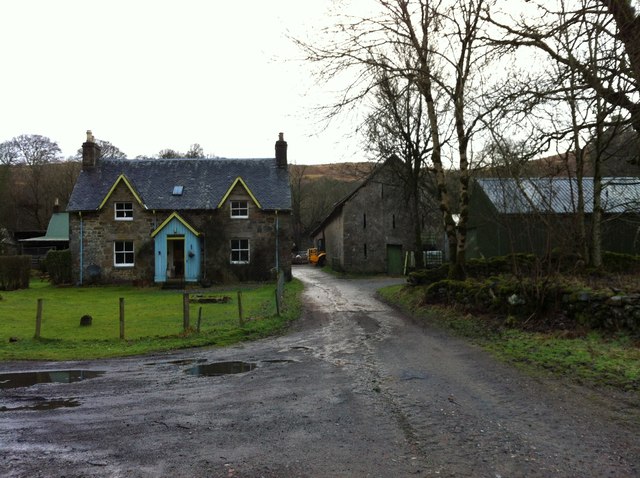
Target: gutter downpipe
[
  {"x": 277, "y": 244},
  {"x": 81, "y": 247}
]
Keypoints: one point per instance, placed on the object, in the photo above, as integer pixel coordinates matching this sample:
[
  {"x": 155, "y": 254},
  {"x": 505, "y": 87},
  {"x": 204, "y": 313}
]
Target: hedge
[
  {"x": 528, "y": 265},
  {"x": 14, "y": 272},
  {"x": 58, "y": 266}
]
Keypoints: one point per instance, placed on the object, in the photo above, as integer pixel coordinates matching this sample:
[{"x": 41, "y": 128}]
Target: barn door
[{"x": 394, "y": 259}]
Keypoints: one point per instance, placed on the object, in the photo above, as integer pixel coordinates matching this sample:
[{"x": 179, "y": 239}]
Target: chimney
[
  {"x": 90, "y": 152},
  {"x": 281, "y": 152},
  {"x": 56, "y": 206}
]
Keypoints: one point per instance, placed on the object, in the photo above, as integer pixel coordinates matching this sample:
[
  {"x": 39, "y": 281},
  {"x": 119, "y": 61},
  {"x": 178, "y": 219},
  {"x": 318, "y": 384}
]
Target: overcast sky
[{"x": 153, "y": 74}]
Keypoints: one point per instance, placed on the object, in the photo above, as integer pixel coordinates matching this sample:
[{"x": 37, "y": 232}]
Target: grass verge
[
  {"x": 153, "y": 320},
  {"x": 591, "y": 358}
]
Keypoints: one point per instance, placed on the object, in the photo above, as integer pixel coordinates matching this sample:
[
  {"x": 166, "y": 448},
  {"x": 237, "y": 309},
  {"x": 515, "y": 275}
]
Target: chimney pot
[{"x": 90, "y": 152}]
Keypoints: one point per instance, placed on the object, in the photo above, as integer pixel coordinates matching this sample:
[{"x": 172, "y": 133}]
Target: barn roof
[{"x": 560, "y": 195}]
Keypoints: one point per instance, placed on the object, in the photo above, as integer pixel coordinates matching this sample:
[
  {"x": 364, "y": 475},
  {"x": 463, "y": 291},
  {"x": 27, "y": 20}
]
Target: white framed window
[
  {"x": 240, "y": 209},
  {"x": 123, "y": 211},
  {"x": 239, "y": 251},
  {"x": 123, "y": 255}
]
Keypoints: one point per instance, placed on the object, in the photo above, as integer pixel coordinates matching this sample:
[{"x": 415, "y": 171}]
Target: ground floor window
[
  {"x": 123, "y": 254},
  {"x": 240, "y": 251}
]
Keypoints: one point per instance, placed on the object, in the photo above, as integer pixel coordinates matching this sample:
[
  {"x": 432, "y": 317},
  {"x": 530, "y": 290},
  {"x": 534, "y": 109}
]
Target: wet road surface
[{"x": 353, "y": 389}]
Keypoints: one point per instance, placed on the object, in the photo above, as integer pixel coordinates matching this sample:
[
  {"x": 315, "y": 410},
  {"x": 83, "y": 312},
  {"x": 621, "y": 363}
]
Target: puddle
[
  {"x": 220, "y": 368},
  {"x": 27, "y": 379},
  {"x": 45, "y": 404},
  {"x": 368, "y": 324},
  {"x": 177, "y": 362},
  {"x": 413, "y": 375}
]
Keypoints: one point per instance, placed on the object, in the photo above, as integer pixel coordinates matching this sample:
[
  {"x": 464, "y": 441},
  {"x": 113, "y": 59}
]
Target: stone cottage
[
  {"x": 370, "y": 229},
  {"x": 209, "y": 220}
]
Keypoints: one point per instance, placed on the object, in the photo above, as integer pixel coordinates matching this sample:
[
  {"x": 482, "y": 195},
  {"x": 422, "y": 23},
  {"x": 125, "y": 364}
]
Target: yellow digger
[{"x": 317, "y": 258}]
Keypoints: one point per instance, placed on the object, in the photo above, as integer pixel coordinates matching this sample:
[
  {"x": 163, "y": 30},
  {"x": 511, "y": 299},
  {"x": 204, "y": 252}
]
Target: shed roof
[
  {"x": 204, "y": 182},
  {"x": 560, "y": 195},
  {"x": 57, "y": 230}
]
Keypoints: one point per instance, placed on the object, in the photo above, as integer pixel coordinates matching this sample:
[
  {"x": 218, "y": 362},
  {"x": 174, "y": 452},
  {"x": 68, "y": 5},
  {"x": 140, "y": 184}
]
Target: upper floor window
[
  {"x": 123, "y": 255},
  {"x": 239, "y": 251},
  {"x": 124, "y": 211},
  {"x": 240, "y": 209}
]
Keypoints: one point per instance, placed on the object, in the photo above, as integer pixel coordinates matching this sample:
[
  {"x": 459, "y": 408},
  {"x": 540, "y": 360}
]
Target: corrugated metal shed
[{"x": 560, "y": 195}]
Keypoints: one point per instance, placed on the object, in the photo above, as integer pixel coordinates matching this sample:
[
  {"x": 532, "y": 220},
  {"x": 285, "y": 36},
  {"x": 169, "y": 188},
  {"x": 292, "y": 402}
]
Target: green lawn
[{"x": 153, "y": 320}]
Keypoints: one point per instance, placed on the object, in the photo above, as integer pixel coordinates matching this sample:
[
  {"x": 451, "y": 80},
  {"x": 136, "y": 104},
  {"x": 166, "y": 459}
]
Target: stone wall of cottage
[
  {"x": 100, "y": 230},
  {"x": 259, "y": 228}
]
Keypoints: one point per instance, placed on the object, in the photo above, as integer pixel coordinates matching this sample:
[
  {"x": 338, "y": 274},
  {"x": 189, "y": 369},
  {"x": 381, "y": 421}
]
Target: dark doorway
[{"x": 175, "y": 253}]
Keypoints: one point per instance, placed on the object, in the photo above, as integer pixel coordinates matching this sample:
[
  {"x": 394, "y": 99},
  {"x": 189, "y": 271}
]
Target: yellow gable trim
[
  {"x": 122, "y": 178},
  {"x": 174, "y": 215},
  {"x": 244, "y": 185}
]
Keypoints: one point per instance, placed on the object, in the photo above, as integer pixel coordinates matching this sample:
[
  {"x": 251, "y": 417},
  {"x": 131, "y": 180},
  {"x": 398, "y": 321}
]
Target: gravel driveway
[{"x": 353, "y": 389}]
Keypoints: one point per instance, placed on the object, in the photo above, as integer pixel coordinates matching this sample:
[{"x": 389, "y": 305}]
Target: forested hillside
[{"x": 314, "y": 191}]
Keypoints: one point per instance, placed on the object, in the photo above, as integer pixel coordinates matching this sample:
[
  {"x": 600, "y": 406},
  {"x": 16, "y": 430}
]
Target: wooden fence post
[
  {"x": 185, "y": 311},
  {"x": 38, "y": 319},
  {"x": 199, "y": 318},
  {"x": 121, "y": 318},
  {"x": 240, "y": 308}
]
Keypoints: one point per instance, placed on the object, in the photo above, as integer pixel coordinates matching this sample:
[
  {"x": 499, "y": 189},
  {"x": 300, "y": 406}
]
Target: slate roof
[
  {"x": 337, "y": 207},
  {"x": 560, "y": 195},
  {"x": 204, "y": 181}
]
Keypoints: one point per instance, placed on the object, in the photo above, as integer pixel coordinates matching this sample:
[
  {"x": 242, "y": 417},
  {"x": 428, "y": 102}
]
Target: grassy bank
[
  {"x": 153, "y": 320},
  {"x": 592, "y": 358}
]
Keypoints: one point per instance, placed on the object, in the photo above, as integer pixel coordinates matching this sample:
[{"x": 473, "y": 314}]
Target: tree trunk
[
  {"x": 417, "y": 219},
  {"x": 459, "y": 270},
  {"x": 424, "y": 84},
  {"x": 596, "y": 239}
]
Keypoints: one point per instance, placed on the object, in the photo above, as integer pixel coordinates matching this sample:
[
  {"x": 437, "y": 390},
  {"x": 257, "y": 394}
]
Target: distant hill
[
  {"x": 316, "y": 188},
  {"x": 344, "y": 172}
]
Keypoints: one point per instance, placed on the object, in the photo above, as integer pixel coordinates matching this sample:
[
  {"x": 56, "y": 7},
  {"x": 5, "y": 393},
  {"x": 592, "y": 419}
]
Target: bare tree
[
  {"x": 169, "y": 153},
  {"x": 627, "y": 20},
  {"x": 195, "y": 151},
  {"x": 296, "y": 175},
  {"x": 398, "y": 126},
  {"x": 584, "y": 90},
  {"x": 107, "y": 150},
  {"x": 33, "y": 153},
  {"x": 617, "y": 86},
  {"x": 433, "y": 45},
  {"x": 32, "y": 150}
]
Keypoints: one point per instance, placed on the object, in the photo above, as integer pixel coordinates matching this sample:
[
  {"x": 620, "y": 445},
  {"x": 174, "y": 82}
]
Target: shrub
[
  {"x": 622, "y": 263},
  {"x": 479, "y": 268},
  {"x": 14, "y": 272},
  {"x": 427, "y": 276},
  {"x": 58, "y": 266}
]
